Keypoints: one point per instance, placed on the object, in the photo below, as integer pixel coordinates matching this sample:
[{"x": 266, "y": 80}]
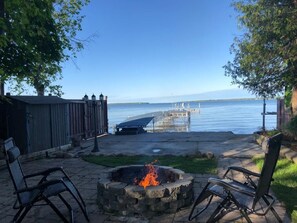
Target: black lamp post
[
  {"x": 96, "y": 149},
  {"x": 264, "y": 113},
  {"x": 86, "y": 97},
  {"x": 101, "y": 97}
]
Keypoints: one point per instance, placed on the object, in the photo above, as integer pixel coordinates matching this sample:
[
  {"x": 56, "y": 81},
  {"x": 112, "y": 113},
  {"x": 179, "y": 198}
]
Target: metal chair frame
[
  {"x": 234, "y": 195},
  {"x": 39, "y": 194}
]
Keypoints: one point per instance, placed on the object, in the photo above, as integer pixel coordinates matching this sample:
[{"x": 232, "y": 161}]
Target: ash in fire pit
[{"x": 120, "y": 191}]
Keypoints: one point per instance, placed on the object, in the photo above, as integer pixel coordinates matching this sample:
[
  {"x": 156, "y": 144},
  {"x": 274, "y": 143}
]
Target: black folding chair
[
  {"x": 39, "y": 194},
  {"x": 242, "y": 196}
]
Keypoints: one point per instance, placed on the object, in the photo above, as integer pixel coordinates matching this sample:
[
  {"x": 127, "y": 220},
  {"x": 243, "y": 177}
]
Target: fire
[{"x": 150, "y": 179}]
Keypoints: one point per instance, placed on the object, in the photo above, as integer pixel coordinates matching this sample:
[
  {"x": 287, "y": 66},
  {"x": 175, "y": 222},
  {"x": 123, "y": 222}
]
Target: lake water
[{"x": 238, "y": 116}]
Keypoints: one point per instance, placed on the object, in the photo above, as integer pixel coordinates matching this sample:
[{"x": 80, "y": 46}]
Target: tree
[
  {"x": 265, "y": 56},
  {"x": 38, "y": 36}
]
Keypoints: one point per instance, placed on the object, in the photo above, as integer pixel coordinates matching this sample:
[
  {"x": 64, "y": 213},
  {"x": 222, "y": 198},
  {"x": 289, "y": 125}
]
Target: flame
[{"x": 150, "y": 179}]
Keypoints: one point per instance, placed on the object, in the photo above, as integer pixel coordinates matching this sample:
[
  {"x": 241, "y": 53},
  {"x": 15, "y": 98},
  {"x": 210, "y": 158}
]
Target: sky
[{"x": 140, "y": 49}]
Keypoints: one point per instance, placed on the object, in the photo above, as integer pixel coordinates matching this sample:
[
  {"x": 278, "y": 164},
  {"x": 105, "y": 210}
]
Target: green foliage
[
  {"x": 284, "y": 184},
  {"x": 187, "y": 164},
  {"x": 288, "y": 97},
  {"x": 292, "y": 126},
  {"x": 294, "y": 216},
  {"x": 270, "y": 133},
  {"x": 265, "y": 55},
  {"x": 38, "y": 36}
]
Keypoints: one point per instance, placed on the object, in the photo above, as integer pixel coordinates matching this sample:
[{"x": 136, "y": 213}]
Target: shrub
[
  {"x": 270, "y": 133},
  {"x": 292, "y": 127}
]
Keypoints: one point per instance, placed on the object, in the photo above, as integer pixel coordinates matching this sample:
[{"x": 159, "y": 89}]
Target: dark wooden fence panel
[
  {"x": 76, "y": 120},
  {"x": 283, "y": 114},
  {"x": 105, "y": 116},
  {"x": 84, "y": 115},
  {"x": 89, "y": 119}
]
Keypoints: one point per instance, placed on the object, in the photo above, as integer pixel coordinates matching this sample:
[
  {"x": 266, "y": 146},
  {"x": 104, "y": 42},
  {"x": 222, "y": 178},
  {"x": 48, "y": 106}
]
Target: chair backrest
[
  {"x": 270, "y": 160},
  {"x": 12, "y": 154}
]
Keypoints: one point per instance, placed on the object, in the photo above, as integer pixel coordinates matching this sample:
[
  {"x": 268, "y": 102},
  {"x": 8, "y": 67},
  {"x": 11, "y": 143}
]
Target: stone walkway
[{"x": 229, "y": 148}]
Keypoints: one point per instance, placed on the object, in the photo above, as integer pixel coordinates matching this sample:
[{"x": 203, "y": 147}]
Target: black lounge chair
[
  {"x": 242, "y": 196},
  {"x": 37, "y": 195}
]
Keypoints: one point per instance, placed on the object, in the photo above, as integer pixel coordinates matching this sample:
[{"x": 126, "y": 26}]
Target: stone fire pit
[{"x": 118, "y": 193}]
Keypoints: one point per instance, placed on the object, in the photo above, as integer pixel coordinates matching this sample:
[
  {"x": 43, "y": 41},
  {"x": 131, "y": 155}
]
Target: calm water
[{"x": 238, "y": 116}]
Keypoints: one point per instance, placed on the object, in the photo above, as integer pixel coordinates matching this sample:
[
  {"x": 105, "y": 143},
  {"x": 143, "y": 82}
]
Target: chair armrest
[
  {"x": 40, "y": 187},
  {"x": 242, "y": 170},
  {"x": 45, "y": 172},
  {"x": 231, "y": 187}
]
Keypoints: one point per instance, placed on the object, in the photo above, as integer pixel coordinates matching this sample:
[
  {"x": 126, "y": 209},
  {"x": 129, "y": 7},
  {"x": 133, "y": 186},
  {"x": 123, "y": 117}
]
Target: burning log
[{"x": 150, "y": 179}]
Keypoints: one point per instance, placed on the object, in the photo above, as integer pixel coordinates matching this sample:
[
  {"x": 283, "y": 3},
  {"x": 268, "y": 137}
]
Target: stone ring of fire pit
[{"x": 118, "y": 194}]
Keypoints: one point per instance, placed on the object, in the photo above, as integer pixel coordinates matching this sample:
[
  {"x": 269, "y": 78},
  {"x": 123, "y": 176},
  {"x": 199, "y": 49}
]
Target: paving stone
[{"x": 229, "y": 148}]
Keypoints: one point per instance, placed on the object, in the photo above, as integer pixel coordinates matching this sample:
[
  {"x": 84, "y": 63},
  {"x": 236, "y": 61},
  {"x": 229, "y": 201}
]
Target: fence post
[
  {"x": 85, "y": 118},
  {"x": 105, "y": 115}
]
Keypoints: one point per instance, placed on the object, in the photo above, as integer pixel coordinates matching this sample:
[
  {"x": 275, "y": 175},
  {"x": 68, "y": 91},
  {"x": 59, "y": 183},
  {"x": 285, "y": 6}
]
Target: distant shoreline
[{"x": 205, "y": 100}]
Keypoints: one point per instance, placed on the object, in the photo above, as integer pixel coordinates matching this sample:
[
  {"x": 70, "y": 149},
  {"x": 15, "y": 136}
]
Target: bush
[
  {"x": 270, "y": 133},
  {"x": 292, "y": 127},
  {"x": 267, "y": 133}
]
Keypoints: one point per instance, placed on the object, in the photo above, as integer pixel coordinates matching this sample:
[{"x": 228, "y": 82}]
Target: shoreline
[{"x": 189, "y": 101}]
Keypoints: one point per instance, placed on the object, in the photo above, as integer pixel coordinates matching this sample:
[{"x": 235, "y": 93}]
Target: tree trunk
[
  {"x": 294, "y": 100},
  {"x": 39, "y": 87},
  {"x": 1, "y": 88},
  {"x": 40, "y": 90}
]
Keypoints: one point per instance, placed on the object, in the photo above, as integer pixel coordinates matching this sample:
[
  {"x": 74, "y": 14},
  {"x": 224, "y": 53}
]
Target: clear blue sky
[{"x": 152, "y": 48}]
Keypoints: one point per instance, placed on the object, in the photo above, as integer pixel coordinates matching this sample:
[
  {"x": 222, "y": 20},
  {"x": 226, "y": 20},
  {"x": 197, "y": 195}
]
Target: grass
[
  {"x": 189, "y": 164},
  {"x": 285, "y": 184}
]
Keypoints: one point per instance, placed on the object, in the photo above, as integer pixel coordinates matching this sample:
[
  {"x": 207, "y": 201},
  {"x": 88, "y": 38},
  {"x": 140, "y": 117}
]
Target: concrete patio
[{"x": 230, "y": 149}]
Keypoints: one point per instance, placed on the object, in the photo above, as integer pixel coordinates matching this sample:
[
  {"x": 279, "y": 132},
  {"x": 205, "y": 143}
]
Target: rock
[
  {"x": 76, "y": 141},
  {"x": 210, "y": 155},
  {"x": 61, "y": 154}
]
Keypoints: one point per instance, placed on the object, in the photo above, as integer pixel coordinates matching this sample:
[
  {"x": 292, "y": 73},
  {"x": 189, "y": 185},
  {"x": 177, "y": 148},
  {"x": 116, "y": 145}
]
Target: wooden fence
[
  {"x": 42, "y": 122},
  {"x": 87, "y": 117},
  {"x": 283, "y": 114}
]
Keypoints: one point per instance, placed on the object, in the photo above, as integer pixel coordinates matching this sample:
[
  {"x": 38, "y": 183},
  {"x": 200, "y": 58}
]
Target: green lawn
[
  {"x": 188, "y": 164},
  {"x": 285, "y": 184}
]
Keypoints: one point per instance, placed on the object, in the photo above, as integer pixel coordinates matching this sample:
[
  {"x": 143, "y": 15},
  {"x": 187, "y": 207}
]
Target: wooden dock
[{"x": 136, "y": 124}]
